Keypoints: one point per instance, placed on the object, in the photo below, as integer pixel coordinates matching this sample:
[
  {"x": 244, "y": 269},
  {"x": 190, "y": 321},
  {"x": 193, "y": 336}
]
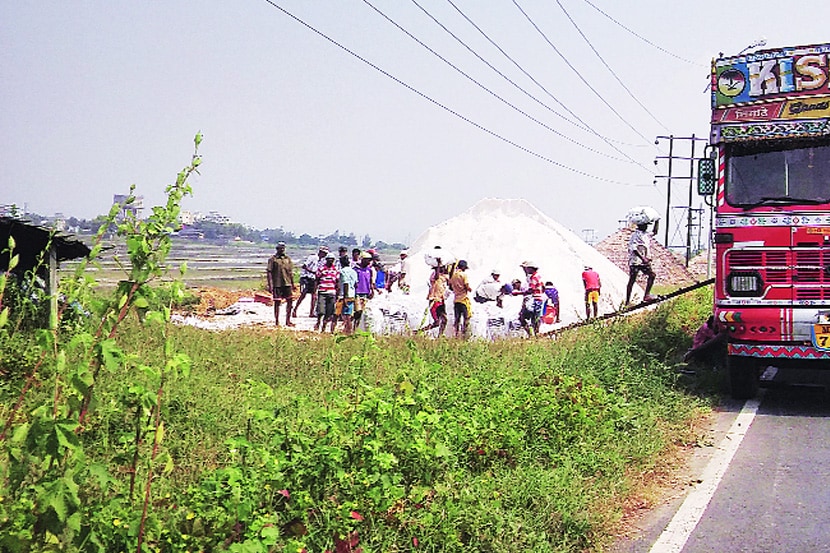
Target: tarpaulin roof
[{"x": 31, "y": 240}]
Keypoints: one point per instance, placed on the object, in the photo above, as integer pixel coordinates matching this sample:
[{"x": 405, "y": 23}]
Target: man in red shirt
[{"x": 590, "y": 278}]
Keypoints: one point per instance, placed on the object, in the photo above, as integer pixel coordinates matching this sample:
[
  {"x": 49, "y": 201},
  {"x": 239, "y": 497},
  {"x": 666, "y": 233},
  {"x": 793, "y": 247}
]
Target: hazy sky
[{"x": 98, "y": 95}]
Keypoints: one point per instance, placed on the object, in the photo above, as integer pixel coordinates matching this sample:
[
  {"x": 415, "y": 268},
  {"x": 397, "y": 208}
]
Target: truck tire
[{"x": 744, "y": 377}]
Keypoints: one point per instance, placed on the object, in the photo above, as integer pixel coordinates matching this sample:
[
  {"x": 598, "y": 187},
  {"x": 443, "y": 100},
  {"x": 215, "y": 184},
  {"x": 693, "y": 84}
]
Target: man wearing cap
[
  {"x": 403, "y": 283},
  {"x": 397, "y": 273},
  {"x": 308, "y": 278},
  {"x": 490, "y": 289},
  {"x": 590, "y": 278},
  {"x": 365, "y": 287},
  {"x": 280, "y": 275},
  {"x": 328, "y": 275},
  {"x": 534, "y": 298}
]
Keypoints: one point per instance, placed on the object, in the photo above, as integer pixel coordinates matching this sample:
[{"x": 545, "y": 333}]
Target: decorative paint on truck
[
  {"x": 771, "y": 134},
  {"x": 789, "y": 73}
]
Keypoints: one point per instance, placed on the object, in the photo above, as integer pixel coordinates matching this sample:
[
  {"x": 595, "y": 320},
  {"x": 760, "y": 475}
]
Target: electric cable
[
  {"x": 578, "y": 74},
  {"x": 440, "y": 105},
  {"x": 508, "y": 79},
  {"x": 647, "y": 41},
  {"x": 542, "y": 87},
  {"x": 489, "y": 91},
  {"x": 608, "y": 67},
  {"x": 491, "y": 66}
]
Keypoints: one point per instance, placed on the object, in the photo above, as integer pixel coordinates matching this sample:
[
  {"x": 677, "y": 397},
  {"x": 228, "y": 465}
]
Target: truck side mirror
[{"x": 706, "y": 176}]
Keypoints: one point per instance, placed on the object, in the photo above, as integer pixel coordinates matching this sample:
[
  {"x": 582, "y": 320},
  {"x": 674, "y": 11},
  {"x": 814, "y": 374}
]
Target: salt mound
[{"x": 501, "y": 234}]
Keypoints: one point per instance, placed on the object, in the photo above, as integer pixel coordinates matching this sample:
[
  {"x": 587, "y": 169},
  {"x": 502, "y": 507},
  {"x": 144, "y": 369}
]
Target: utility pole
[
  {"x": 678, "y": 173},
  {"x": 589, "y": 235}
]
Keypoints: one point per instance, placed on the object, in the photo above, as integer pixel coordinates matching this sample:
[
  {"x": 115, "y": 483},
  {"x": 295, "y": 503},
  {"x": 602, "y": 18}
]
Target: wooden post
[{"x": 53, "y": 287}]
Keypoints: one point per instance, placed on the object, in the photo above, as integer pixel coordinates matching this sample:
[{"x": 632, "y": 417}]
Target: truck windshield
[{"x": 790, "y": 172}]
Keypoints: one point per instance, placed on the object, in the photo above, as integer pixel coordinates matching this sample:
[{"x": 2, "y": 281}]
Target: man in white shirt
[
  {"x": 639, "y": 261},
  {"x": 490, "y": 289},
  {"x": 308, "y": 279}
]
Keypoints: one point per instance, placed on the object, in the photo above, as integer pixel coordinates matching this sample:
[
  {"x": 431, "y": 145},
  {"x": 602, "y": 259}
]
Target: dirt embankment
[{"x": 212, "y": 299}]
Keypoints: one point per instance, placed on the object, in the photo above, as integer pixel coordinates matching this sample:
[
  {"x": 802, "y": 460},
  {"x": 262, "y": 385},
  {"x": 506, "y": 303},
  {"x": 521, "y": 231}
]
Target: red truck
[{"x": 769, "y": 170}]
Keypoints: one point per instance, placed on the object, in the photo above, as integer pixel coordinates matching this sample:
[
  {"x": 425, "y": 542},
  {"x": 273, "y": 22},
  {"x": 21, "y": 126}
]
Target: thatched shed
[
  {"x": 31, "y": 240},
  {"x": 38, "y": 248}
]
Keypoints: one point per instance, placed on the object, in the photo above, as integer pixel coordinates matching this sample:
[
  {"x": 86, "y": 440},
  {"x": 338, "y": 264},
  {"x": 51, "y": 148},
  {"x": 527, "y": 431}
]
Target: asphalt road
[{"x": 774, "y": 494}]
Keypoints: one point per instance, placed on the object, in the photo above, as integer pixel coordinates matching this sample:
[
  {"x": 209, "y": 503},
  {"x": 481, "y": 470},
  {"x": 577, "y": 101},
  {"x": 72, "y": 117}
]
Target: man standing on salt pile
[
  {"x": 281, "y": 282},
  {"x": 639, "y": 261},
  {"x": 460, "y": 286},
  {"x": 590, "y": 278},
  {"x": 308, "y": 278},
  {"x": 534, "y": 298}
]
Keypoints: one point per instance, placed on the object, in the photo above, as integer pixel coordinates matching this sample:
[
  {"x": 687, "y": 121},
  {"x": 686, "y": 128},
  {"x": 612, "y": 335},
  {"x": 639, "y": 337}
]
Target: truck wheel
[{"x": 744, "y": 376}]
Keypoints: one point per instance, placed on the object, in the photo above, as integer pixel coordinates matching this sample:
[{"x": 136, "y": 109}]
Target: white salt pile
[
  {"x": 500, "y": 234},
  {"x": 245, "y": 312}
]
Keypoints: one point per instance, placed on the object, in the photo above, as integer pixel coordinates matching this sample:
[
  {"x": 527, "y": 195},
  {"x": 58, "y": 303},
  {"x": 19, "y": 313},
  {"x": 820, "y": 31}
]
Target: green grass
[{"x": 280, "y": 442}]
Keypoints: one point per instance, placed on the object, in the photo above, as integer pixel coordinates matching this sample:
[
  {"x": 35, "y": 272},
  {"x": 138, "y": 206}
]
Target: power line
[
  {"x": 491, "y": 66},
  {"x": 647, "y": 41},
  {"x": 439, "y": 104},
  {"x": 622, "y": 84},
  {"x": 578, "y": 74},
  {"x": 508, "y": 79},
  {"x": 462, "y": 72},
  {"x": 542, "y": 87}
]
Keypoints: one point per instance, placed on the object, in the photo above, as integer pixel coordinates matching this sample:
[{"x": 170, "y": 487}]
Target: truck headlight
[{"x": 744, "y": 283}]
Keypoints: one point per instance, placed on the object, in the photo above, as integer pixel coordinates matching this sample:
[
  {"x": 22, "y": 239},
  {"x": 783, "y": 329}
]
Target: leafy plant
[{"x": 51, "y": 494}]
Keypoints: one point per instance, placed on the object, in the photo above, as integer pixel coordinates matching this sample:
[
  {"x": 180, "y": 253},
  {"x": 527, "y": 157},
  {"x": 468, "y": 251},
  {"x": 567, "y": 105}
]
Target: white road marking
[{"x": 683, "y": 523}]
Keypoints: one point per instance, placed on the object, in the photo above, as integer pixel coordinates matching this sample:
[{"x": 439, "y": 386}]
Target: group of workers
[
  {"x": 340, "y": 284},
  {"x": 540, "y": 299},
  {"x": 453, "y": 276}
]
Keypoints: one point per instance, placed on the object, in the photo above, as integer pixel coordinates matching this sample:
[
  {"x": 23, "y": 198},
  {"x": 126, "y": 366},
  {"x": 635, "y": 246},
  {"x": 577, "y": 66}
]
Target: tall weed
[{"x": 284, "y": 442}]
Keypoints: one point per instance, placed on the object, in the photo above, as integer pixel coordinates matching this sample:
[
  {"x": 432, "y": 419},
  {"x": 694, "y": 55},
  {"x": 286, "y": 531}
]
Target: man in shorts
[
  {"x": 345, "y": 305},
  {"x": 592, "y": 283},
  {"x": 308, "y": 278},
  {"x": 365, "y": 287},
  {"x": 280, "y": 275}
]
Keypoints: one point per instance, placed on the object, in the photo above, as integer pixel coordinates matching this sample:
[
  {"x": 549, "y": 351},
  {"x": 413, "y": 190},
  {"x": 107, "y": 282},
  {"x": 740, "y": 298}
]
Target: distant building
[
  {"x": 216, "y": 217},
  {"x": 136, "y": 208},
  {"x": 58, "y": 221},
  {"x": 190, "y": 233},
  {"x": 187, "y": 218},
  {"x": 9, "y": 210}
]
